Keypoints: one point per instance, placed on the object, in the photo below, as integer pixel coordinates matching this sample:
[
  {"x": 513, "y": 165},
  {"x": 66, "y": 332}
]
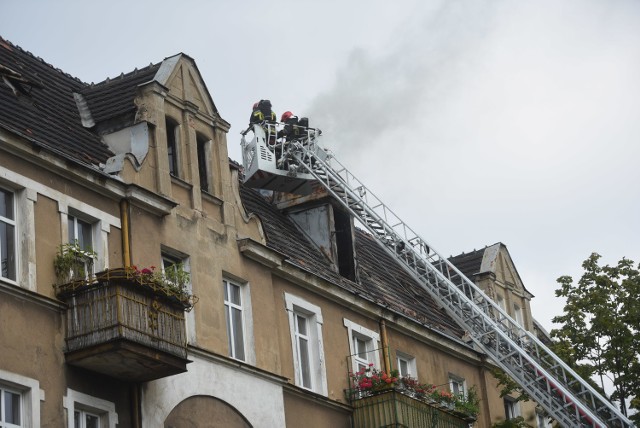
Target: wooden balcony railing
[
  {"x": 394, "y": 409},
  {"x": 124, "y": 326}
]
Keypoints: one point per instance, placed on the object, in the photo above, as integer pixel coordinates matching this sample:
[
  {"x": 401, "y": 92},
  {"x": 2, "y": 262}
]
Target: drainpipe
[
  {"x": 135, "y": 388},
  {"x": 124, "y": 219},
  {"x": 385, "y": 346},
  {"x": 136, "y": 406}
]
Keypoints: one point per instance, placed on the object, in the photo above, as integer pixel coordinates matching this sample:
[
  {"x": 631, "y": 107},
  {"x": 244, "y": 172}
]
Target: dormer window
[{"x": 173, "y": 141}]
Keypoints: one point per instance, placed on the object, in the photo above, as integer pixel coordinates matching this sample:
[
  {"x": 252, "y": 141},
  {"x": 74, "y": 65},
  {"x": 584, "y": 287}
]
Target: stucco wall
[{"x": 259, "y": 400}]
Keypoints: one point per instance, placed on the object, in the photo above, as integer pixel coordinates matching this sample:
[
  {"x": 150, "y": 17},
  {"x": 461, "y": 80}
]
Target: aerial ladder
[{"x": 548, "y": 380}]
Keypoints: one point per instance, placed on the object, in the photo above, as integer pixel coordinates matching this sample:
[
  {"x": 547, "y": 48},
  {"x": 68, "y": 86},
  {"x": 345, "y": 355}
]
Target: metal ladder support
[{"x": 547, "y": 379}]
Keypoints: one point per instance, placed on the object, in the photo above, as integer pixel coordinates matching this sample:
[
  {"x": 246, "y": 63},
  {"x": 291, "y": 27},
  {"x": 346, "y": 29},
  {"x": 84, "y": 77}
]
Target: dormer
[
  {"x": 325, "y": 223},
  {"x": 164, "y": 129}
]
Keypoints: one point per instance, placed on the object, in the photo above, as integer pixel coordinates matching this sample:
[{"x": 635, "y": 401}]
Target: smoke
[{"x": 481, "y": 122}]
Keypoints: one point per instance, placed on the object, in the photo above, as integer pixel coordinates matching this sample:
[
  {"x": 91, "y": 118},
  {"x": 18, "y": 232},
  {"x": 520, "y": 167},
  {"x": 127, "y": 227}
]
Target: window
[
  {"x": 517, "y": 315},
  {"x": 203, "y": 162},
  {"x": 305, "y": 325},
  {"x": 542, "y": 421},
  {"x": 172, "y": 266},
  {"x": 511, "y": 408},
  {"x": 84, "y": 419},
  {"x": 406, "y": 364},
  {"x": 172, "y": 146},
  {"x": 80, "y": 231},
  {"x": 10, "y": 408},
  {"x": 19, "y": 401},
  {"x": 89, "y": 411},
  {"x": 233, "y": 311},
  {"x": 7, "y": 236},
  {"x": 363, "y": 346},
  {"x": 457, "y": 386}
]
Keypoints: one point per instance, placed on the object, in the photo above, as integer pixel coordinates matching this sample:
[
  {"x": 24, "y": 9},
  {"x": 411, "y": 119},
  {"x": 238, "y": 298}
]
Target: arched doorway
[{"x": 202, "y": 411}]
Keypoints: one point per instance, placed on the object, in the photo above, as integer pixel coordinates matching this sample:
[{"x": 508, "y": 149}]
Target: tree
[{"x": 599, "y": 327}]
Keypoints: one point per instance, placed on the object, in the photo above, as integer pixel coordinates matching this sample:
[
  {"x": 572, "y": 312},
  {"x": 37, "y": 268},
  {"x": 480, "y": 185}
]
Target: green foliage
[
  {"x": 517, "y": 422},
  {"x": 508, "y": 386},
  {"x": 599, "y": 327},
  {"x": 469, "y": 405},
  {"x": 73, "y": 262}
]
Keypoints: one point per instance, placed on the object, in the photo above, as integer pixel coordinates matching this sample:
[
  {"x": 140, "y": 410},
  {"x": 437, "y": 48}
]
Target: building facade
[{"x": 189, "y": 299}]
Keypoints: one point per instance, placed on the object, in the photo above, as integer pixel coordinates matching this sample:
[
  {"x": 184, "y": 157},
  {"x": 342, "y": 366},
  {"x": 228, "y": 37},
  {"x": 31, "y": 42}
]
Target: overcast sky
[{"x": 476, "y": 121}]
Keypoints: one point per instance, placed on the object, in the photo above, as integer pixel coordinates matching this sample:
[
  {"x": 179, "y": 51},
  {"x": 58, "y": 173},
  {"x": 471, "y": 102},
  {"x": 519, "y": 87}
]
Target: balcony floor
[{"x": 127, "y": 360}]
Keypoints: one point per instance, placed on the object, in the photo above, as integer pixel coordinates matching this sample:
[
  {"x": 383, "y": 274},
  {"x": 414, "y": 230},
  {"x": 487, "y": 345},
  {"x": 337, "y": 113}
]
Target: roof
[
  {"x": 470, "y": 263},
  {"x": 38, "y": 104},
  {"x": 381, "y": 279},
  {"x": 115, "y": 97}
]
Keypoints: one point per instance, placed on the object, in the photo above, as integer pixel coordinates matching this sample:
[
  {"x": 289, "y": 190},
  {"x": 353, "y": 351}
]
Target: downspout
[
  {"x": 124, "y": 219},
  {"x": 385, "y": 346},
  {"x": 135, "y": 388}
]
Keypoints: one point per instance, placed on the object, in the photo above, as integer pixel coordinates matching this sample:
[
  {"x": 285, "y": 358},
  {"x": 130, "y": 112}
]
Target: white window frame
[
  {"x": 89, "y": 265},
  {"x": 543, "y": 421},
  {"x": 410, "y": 363},
  {"x": 30, "y": 396},
  {"x": 518, "y": 314},
  {"x": 100, "y": 229},
  {"x": 179, "y": 257},
  {"x": 372, "y": 340},
  {"x": 297, "y": 306},
  {"x": 457, "y": 382},
  {"x": 16, "y": 245},
  {"x": 104, "y": 409},
  {"x": 247, "y": 319},
  {"x": 511, "y": 406}
]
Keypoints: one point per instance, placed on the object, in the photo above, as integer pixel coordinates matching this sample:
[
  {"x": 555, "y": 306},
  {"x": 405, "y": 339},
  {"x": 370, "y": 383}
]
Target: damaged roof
[
  {"x": 114, "y": 98},
  {"x": 37, "y": 103},
  {"x": 381, "y": 279}
]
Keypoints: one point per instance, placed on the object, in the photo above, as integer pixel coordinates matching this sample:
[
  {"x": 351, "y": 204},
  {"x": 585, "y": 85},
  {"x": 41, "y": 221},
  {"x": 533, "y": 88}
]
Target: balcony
[
  {"x": 394, "y": 409},
  {"x": 125, "y": 324},
  {"x": 385, "y": 399}
]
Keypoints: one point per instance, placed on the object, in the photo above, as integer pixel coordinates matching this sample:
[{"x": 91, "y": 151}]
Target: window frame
[
  {"x": 247, "y": 317},
  {"x": 410, "y": 362},
  {"x": 518, "y": 314},
  {"x": 461, "y": 384},
  {"x": 371, "y": 339},
  {"x": 3, "y": 407},
  {"x": 298, "y": 307},
  {"x": 76, "y": 217},
  {"x": 78, "y": 401},
  {"x": 511, "y": 408},
  {"x": 30, "y": 397},
  {"x": 13, "y": 223}
]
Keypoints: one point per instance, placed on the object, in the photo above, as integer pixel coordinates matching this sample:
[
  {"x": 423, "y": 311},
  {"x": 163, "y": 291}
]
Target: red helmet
[
  {"x": 286, "y": 115},
  {"x": 255, "y": 106}
]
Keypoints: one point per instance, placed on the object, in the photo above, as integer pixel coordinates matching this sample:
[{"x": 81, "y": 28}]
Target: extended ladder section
[{"x": 542, "y": 374}]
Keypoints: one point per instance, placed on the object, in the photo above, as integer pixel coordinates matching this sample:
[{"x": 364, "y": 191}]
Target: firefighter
[
  {"x": 262, "y": 112},
  {"x": 290, "y": 130}
]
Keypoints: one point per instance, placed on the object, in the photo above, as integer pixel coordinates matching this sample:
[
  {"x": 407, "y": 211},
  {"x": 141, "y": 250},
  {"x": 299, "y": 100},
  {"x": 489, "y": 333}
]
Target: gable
[{"x": 181, "y": 76}]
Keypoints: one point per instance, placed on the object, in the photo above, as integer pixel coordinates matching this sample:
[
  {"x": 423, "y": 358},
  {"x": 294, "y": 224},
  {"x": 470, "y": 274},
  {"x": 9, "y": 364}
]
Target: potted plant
[
  {"x": 469, "y": 406},
  {"x": 73, "y": 263}
]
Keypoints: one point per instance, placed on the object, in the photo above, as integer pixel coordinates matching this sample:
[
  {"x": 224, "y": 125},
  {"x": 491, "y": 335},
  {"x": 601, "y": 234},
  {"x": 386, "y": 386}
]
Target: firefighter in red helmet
[{"x": 290, "y": 130}]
